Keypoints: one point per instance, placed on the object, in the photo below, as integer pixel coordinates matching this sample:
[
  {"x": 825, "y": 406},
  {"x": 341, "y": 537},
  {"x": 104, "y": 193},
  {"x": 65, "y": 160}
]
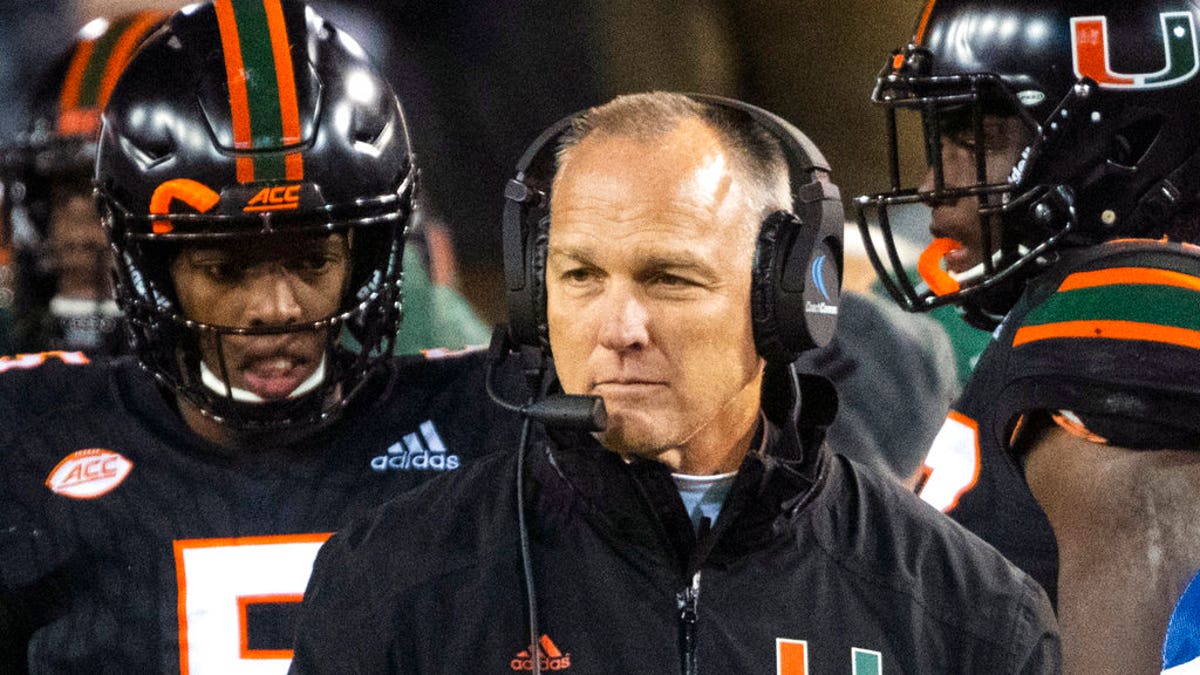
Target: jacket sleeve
[
  {"x": 340, "y": 628},
  {"x": 1036, "y": 646}
]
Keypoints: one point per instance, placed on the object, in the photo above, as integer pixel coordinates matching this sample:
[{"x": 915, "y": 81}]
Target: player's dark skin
[
  {"x": 285, "y": 280},
  {"x": 1128, "y": 529},
  {"x": 78, "y": 246}
]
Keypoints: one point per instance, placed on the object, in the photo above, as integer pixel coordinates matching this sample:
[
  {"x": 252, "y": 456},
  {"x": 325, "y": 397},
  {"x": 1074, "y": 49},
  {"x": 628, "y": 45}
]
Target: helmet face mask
[
  {"x": 973, "y": 133},
  {"x": 196, "y": 164},
  {"x": 1079, "y": 158}
]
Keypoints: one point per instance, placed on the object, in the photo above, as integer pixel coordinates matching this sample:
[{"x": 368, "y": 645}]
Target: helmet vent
[
  {"x": 158, "y": 148},
  {"x": 369, "y": 135}
]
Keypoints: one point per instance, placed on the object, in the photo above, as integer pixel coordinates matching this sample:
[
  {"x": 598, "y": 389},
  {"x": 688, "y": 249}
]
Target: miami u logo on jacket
[
  {"x": 791, "y": 658},
  {"x": 1090, "y": 53}
]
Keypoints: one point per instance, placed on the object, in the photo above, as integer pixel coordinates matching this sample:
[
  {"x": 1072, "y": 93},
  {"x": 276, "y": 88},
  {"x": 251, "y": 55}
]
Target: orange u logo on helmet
[
  {"x": 1090, "y": 53},
  {"x": 196, "y": 195}
]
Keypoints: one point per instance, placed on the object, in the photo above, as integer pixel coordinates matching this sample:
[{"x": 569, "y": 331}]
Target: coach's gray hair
[{"x": 756, "y": 152}]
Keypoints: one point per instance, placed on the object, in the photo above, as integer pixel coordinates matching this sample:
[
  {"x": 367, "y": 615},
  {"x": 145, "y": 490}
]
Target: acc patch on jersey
[{"x": 90, "y": 473}]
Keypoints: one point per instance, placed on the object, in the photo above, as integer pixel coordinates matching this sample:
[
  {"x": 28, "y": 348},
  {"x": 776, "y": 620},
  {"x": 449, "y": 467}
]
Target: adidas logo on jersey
[
  {"x": 419, "y": 451},
  {"x": 548, "y": 654}
]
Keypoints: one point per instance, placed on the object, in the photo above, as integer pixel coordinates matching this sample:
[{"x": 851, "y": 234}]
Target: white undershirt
[{"x": 703, "y": 496}]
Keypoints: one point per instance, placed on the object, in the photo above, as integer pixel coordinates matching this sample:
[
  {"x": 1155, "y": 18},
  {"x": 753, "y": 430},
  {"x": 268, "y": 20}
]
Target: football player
[
  {"x": 161, "y": 512},
  {"x": 63, "y": 296},
  {"x": 1063, "y": 177}
]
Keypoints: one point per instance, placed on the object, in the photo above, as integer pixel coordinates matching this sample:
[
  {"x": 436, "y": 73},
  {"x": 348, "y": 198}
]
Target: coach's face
[
  {"x": 275, "y": 283},
  {"x": 648, "y": 294}
]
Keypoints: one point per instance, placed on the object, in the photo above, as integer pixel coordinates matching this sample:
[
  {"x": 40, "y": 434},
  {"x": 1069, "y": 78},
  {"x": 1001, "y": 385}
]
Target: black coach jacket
[{"x": 815, "y": 565}]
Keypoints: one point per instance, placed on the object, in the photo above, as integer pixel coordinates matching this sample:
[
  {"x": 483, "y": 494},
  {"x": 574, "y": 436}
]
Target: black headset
[{"x": 797, "y": 261}]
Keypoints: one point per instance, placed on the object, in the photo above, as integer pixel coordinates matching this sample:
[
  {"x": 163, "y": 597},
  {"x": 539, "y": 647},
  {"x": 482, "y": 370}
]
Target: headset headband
[{"x": 795, "y": 296}]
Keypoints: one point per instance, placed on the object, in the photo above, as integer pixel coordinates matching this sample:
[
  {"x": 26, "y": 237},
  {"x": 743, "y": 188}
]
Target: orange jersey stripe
[
  {"x": 1112, "y": 330},
  {"x": 1129, "y": 275},
  {"x": 123, "y": 51}
]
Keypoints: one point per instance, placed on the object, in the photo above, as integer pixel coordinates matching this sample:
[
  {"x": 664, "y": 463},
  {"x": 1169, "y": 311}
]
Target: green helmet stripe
[
  {"x": 89, "y": 89},
  {"x": 262, "y": 89}
]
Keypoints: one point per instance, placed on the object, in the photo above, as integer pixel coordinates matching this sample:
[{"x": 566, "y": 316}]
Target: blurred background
[{"x": 480, "y": 78}]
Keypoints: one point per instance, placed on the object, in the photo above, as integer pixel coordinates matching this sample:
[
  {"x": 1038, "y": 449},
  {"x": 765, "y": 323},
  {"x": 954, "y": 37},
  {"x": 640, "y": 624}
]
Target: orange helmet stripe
[
  {"x": 235, "y": 74},
  {"x": 924, "y": 23},
  {"x": 286, "y": 81},
  {"x": 143, "y": 22},
  {"x": 73, "y": 84}
]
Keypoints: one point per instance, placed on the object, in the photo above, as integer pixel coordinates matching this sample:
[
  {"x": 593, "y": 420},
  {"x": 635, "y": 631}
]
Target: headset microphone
[{"x": 558, "y": 411}]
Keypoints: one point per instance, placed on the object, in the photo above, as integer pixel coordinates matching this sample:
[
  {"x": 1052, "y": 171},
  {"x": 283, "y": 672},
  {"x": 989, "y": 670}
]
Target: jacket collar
[{"x": 637, "y": 505}]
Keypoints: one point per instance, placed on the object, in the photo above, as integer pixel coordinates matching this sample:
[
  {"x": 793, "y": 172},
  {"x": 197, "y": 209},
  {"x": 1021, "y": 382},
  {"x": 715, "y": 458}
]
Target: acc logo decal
[
  {"x": 278, "y": 198},
  {"x": 1090, "y": 53},
  {"x": 87, "y": 474}
]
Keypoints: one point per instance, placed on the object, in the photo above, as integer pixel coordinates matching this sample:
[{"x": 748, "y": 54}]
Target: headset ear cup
[
  {"x": 763, "y": 294},
  {"x": 794, "y": 288},
  {"x": 538, "y": 248}
]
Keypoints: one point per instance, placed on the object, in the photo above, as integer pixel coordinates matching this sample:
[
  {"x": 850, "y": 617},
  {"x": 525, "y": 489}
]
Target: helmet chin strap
[{"x": 210, "y": 380}]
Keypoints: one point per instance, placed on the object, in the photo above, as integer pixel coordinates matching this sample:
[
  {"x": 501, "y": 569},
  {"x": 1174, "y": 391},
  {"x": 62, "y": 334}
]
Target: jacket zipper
[{"x": 687, "y": 600}]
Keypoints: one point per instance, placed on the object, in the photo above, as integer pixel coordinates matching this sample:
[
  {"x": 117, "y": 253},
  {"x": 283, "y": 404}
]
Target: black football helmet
[
  {"x": 248, "y": 119},
  {"x": 51, "y": 161},
  {"x": 1104, "y": 93}
]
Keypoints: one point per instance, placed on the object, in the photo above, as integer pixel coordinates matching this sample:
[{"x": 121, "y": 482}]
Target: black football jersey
[
  {"x": 1111, "y": 335},
  {"x": 130, "y": 545}
]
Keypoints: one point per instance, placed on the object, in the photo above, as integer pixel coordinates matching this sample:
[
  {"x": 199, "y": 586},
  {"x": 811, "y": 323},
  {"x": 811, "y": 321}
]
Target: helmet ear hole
[{"x": 1129, "y": 145}]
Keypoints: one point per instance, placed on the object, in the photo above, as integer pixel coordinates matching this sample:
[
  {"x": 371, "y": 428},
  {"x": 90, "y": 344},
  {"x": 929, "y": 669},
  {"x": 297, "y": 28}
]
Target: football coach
[{"x": 680, "y": 251}]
